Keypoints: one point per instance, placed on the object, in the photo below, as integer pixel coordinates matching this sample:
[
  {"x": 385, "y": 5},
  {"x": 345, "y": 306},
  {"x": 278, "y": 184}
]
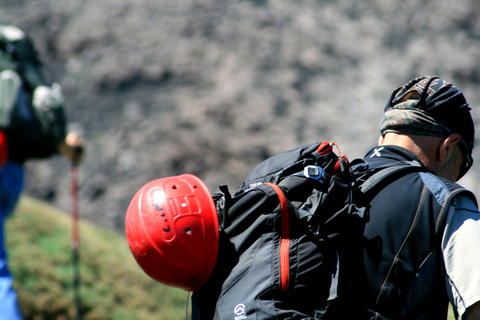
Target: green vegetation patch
[{"x": 112, "y": 285}]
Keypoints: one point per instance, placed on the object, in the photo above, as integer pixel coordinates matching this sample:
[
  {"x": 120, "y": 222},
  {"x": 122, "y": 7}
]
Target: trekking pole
[{"x": 75, "y": 238}]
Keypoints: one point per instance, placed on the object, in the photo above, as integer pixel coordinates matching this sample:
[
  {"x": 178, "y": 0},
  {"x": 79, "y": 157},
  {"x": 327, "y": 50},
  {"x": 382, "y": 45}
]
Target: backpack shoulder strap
[{"x": 388, "y": 173}]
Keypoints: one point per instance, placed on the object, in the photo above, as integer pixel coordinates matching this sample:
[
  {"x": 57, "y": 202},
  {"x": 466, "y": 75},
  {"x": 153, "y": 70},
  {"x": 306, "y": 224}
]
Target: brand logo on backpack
[{"x": 239, "y": 311}]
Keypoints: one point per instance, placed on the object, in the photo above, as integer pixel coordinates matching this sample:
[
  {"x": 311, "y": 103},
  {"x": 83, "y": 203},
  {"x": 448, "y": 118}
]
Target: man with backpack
[
  {"x": 311, "y": 235},
  {"x": 32, "y": 125},
  {"x": 422, "y": 246}
]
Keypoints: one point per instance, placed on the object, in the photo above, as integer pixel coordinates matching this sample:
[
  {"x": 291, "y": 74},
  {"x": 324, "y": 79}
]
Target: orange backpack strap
[{"x": 285, "y": 238}]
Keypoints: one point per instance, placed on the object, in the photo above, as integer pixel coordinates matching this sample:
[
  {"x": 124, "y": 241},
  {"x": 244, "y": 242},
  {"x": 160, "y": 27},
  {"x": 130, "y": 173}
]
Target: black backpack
[
  {"x": 291, "y": 239},
  {"x": 31, "y": 110}
]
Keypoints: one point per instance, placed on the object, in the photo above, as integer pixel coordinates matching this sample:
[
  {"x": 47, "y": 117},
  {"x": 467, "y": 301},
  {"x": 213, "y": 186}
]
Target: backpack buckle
[{"x": 313, "y": 172}]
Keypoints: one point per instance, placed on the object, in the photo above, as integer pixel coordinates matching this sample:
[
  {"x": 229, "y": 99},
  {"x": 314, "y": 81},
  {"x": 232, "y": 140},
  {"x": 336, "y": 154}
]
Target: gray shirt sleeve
[{"x": 461, "y": 253}]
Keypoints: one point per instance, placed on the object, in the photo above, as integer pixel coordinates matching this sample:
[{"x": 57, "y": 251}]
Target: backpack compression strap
[{"x": 285, "y": 238}]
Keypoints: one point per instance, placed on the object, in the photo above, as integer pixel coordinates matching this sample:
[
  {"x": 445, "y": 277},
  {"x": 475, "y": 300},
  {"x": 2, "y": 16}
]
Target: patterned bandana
[
  {"x": 412, "y": 121},
  {"x": 433, "y": 107}
]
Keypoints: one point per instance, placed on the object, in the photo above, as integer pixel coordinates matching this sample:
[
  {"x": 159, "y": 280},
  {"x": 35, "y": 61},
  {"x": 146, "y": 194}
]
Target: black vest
[{"x": 403, "y": 258}]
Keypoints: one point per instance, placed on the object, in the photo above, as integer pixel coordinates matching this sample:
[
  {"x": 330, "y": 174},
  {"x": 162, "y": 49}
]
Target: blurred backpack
[
  {"x": 31, "y": 111},
  {"x": 291, "y": 239}
]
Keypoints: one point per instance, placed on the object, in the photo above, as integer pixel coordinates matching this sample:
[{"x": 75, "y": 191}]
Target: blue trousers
[{"x": 11, "y": 184}]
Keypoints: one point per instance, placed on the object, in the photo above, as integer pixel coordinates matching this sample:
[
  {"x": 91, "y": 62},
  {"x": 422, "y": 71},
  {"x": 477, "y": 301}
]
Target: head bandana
[{"x": 433, "y": 107}]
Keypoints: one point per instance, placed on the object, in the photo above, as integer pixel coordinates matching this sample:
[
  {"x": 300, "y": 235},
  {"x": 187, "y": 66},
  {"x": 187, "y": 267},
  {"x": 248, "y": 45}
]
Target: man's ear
[
  {"x": 380, "y": 140},
  {"x": 446, "y": 147}
]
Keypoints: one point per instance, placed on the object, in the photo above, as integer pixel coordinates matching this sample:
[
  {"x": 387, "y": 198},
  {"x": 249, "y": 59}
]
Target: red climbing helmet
[{"x": 172, "y": 230}]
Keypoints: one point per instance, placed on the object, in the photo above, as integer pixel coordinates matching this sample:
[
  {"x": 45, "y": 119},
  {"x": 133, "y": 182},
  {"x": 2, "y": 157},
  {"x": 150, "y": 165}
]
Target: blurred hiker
[
  {"x": 32, "y": 125},
  {"x": 423, "y": 237}
]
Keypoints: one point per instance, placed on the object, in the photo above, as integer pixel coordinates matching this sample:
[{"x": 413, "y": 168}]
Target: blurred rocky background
[{"x": 210, "y": 87}]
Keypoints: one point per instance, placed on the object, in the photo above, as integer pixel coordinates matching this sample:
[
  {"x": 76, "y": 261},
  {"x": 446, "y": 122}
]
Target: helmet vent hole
[
  {"x": 188, "y": 231},
  {"x": 193, "y": 279},
  {"x": 194, "y": 186},
  {"x": 174, "y": 187}
]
